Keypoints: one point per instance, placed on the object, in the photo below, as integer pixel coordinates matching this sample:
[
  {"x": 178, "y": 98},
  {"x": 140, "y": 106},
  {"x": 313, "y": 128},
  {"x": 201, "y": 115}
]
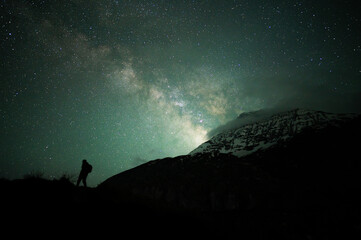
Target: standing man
[{"x": 86, "y": 168}]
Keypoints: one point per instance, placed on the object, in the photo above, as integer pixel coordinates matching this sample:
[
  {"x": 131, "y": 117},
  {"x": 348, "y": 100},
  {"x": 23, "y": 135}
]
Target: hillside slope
[{"x": 309, "y": 185}]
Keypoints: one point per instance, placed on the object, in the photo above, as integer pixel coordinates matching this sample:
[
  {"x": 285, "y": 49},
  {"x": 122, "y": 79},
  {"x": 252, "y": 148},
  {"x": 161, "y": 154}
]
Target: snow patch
[{"x": 255, "y": 131}]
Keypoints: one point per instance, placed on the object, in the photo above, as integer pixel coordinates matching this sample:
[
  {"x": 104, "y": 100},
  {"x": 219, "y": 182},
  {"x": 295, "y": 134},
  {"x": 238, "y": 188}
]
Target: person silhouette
[{"x": 86, "y": 168}]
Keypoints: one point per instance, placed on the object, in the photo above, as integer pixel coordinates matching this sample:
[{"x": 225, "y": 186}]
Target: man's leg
[
  {"x": 79, "y": 179},
  {"x": 84, "y": 181}
]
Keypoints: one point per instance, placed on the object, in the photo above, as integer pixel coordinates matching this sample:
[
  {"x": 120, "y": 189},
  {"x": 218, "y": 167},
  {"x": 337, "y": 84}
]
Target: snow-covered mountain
[
  {"x": 305, "y": 168},
  {"x": 259, "y": 130}
]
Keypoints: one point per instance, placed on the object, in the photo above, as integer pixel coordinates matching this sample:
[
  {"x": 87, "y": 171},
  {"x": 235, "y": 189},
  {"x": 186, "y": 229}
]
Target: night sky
[{"x": 120, "y": 83}]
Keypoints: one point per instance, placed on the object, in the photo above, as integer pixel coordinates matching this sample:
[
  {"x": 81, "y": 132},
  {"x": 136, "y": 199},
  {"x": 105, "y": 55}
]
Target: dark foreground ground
[{"x": 45, "y": 209}]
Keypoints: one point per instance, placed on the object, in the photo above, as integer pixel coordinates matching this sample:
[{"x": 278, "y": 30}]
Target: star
[{"x": 125, "y": 82}]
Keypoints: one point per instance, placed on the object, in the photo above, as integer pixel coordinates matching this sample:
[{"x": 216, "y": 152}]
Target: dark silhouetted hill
[{"x": 304, "y": 186}]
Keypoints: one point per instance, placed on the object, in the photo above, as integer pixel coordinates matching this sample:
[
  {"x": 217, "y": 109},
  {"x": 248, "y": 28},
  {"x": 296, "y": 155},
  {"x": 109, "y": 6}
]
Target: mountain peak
[{"x": 259, "y": 130}]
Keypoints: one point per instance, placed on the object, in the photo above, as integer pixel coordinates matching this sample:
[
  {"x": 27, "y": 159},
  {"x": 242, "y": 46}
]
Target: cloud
[{"x": 246, "y": 118}]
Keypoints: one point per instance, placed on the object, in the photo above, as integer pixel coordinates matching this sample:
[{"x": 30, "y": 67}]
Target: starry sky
[{"x": 120, "y": 83}]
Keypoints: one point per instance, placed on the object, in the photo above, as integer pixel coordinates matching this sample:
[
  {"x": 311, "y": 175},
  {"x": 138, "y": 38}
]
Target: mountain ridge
[{"x": 259, "y": 130}]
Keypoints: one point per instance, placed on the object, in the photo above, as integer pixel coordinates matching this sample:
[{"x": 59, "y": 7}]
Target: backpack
[{"x": 89, "y": 168}]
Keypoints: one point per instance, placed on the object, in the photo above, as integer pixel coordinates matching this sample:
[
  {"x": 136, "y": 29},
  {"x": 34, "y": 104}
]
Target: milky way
[{"x": 120, "y": 83}]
